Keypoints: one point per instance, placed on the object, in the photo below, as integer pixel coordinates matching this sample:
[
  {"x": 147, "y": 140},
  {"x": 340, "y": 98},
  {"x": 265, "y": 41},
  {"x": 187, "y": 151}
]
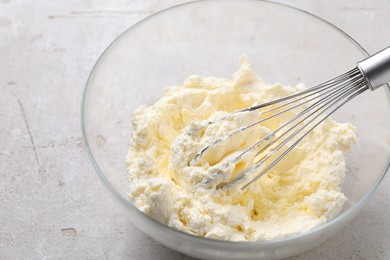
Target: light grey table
[{"x": 52, "y": 204}]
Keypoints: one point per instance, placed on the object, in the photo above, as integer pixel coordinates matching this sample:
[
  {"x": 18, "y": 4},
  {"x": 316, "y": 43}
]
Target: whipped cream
[{"x": 300, "y": 193}]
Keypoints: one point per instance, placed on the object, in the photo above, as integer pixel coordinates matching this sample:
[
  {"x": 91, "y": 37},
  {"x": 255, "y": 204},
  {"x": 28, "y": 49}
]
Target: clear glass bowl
[{"x": 284, "y": 44}]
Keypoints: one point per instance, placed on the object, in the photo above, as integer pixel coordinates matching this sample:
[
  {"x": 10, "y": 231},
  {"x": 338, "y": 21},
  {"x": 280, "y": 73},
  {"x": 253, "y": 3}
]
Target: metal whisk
[{"x": 321, "y": 101}]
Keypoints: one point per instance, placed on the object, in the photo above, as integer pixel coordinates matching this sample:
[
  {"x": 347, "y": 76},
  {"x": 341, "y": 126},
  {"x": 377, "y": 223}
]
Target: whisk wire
[{"x": 322, "y": 97}]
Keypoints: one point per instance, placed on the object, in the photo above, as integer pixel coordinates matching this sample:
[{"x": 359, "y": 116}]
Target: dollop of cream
[{"x": 190, "y": 194}]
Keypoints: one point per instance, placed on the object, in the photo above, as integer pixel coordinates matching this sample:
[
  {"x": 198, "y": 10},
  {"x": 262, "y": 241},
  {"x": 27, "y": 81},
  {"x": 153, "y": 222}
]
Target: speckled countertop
[{"x": 52, "y": 204}]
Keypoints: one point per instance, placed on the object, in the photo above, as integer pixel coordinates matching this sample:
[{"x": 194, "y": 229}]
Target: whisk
[{"x": 317, "y": 103}]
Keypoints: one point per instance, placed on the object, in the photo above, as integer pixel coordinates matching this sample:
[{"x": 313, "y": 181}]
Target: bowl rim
[{"x": 249, "y": 244}]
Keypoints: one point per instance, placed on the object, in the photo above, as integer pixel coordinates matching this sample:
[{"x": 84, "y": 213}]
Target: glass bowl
[{"x": 284, "y": 44}]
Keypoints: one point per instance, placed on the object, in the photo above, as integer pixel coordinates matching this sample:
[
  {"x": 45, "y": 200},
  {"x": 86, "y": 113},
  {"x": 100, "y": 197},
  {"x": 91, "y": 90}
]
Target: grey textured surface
[{"x": 52, "y": 204}]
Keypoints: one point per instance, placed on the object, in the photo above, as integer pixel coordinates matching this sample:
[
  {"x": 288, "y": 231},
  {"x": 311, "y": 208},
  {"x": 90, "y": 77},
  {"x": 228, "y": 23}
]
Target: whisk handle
[{"x": 376, "y": 69}]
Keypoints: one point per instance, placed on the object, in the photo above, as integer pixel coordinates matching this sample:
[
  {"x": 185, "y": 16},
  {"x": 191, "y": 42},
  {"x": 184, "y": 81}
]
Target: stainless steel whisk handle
[{"x": 376, "y": 69}]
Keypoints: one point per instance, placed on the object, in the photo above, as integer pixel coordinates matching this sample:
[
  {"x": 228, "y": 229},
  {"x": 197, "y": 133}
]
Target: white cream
[{"x": 300, "y": 193}]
